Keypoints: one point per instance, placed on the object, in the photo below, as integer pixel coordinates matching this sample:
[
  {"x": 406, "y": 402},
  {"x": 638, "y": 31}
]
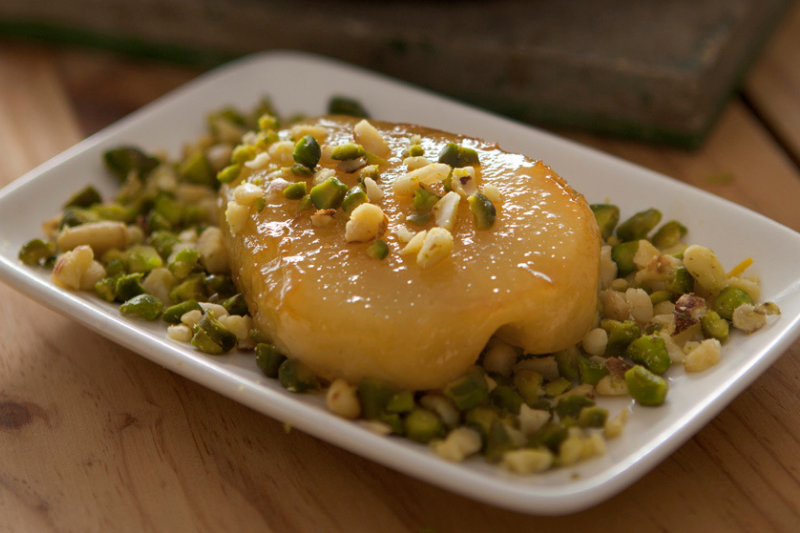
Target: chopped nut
[
  {"x": 614, "y": 305},
  {"x": 640, "y": 305},
  {"x": 706, "y": 355},
  {"x": 499, "y": 357},
  {"x": 180, "y": 333},
  {"x": 463, "y": 181},
  {"x": 413, "y": 163},
  {"x": 320, "y": 133},
  {"x": 612, "y": 385},
  {"x": 704, "y": 267},
  {"x": 528, "y": 460},
  {"x": 415, "y": 244},
  {"x": 342, "y": 400},
  {"x": 100, "y": 236},
  {"x": 213, "y": 255},
  {"x": 531, "y": 420},
  {"x": 260, "y": 162},
  {"x": 191, "y": 318},
  {"x": 71, "y": 267},
  {"x": 745, "y": 318},
  {"x": 459, "y": 444},
  {"x": 374, "y": 193},
  {"x": 614, "y": 426},
  {"x": 282, "y": 153},
  {"x": 438, "y": 245},
  {"x": 608, "y": 268},
  {"x": 493, "y": 193},
  {"x": 427, "y": 175},
  {"x": 237, "y": 216},
  {"x": 367, "y": 222},
  {"x": 645, "y": 253},
  {"x": 370, "y": 138},
  {"x": 446, "y": 211},
  {"x": 247, "y": 193},
  {"x": 323, "y": 218},
  {"x": 689, "y": 309},
  {"x": 595, "y": 341},
  {"x": 158, "y": 283}
]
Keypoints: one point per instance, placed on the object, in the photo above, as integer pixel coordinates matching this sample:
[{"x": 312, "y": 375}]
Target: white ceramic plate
[{"x": 302, "y": 83}]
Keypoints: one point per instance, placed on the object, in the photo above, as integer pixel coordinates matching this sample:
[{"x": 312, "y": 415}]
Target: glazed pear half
[{"x": 530, "y": 278}]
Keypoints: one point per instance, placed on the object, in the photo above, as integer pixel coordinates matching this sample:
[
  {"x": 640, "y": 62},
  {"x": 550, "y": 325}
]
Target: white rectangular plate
[{"x": 303, "y": 83}]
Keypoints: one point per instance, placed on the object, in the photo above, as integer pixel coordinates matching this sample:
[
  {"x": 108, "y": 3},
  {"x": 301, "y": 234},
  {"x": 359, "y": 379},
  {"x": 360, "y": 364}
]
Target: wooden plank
[
  {"x": 773, "y": 85},
  {"x": 95, "y": 438}
]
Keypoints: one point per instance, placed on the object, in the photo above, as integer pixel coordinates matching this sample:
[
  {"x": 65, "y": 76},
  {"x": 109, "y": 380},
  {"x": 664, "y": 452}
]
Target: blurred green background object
[{"x": 644, "y": 69}]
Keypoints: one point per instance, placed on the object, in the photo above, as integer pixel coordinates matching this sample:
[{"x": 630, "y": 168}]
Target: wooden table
[{"x": 96, "y": 438}]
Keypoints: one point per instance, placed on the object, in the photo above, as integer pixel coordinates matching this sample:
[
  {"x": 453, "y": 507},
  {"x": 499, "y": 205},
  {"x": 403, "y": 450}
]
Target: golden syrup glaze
[{"x": 531, "y": 278}]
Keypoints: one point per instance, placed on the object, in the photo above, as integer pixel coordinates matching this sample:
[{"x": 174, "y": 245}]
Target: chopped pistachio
[
  {"x": 339, "y": 105},
  {"x": 623, "y": 254},
  {"x": 173, "y": 314},
  {"x": 296, "y": 191},
  {"x": 378, "y": 249},
  {"x": 607, "y": 218},
  {"x": 329, "y": 194},
  {"x": 669, "y": 234},
  {"x": 729, "y": 299},
  {"x": 639, "y": 225},
  {"x": 354, "y": 198},
  {"x": 423, "y": 426},
  {"x": 646, "y": 387},
  {"x": 229, "y": 173},
  {"x": 121, "y": 161},
  {"x": 458, "y": 156},
  {"x": 307, "y": 152},
  {"x": 347, "y": 152},
  {"x": 483, "y": 210},
  {"x": 36, "y": 252},
  {"x": 269, "y": 359},
  {"x": 86, "y": 197},
  {"x": 145, "y": 306},
  {"x": 196, "y": 169},
  {"x": 424, "y": 200}
]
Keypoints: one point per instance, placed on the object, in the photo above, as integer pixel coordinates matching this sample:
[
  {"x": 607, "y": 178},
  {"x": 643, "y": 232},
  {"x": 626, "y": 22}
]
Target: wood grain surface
[{"x": 96, "y": 438}]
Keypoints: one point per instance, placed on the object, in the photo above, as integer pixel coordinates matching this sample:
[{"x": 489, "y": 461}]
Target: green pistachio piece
[
  {"x": 307, "y": 152},
  {"x": 196, "y": 169},
  {"x": 354, "y": 198},
  {"x": 729, "y": 299},
  {"x": 645, "y": 387},
  {"x": 649, "y": 351},
  {"x": 347, "y": 152},
  {"x": 378, "y": 250},
  {"x": 467, "y": 391},
  {"x": 339, "y": 105},
  {"x": 269, "y": 359},
  {"x": 669, "y": 234},
  {"x": 229, "y": 173},
  {"x": 423, "y": 426},
  {"x": 173, "y": 314},
  {"x": 622, "y": 255},
  {"x": 121, "y": 161},
  {"x": 714, "y": 326},
  {"x": 86, "y": 197},
  {"x": 458, "y": 156},
  {"x": 639, "y": 225},
  {"x": 36, "y": 252},
  {"x": 144, "y": 306},
  {"x": 607, "y": 218},
  {"x": 483, "y": 210},
  {"x": 296, "y": 191},
  {"x": 329, "y": 194}
]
